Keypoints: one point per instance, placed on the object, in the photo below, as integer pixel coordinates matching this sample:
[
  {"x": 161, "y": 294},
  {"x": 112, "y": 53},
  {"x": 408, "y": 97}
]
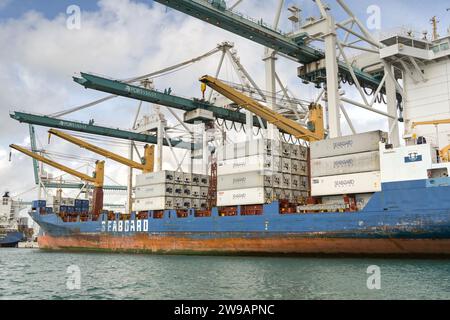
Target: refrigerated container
[
  {"x": 155, "y": 190},
  {"x": 253, "y": 179},
  {"x": 154, "y": 178},
  {"x": 346, "y": 164},
  {"x": 241, "y": 197},
  {"x": 358, "y": 143},
  {"x": 346, "y": 184}
]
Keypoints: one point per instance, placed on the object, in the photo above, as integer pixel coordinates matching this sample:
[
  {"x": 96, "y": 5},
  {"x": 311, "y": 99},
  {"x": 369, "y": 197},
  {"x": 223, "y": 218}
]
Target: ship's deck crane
[
  {"x": 97, "y": 179},
  {"x": 444, "y": 152},
  {"x": 146, "y": 166},
  {"x": 315, "y": 131}
]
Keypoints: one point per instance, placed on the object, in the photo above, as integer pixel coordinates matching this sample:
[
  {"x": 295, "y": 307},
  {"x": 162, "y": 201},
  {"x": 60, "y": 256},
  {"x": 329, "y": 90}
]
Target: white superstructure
[
  {"x": 425, "y": 68},
  {"x": 9, "y": 213}
]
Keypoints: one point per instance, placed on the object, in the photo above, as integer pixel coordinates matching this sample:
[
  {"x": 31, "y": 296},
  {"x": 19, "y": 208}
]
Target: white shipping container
[
  {"x": 299, "y": 167},
  {"x": 154, "y": 190},
  {"x": 154, "y": 178},
  {"x": 352, "y": 163},
  {"x": 196, "y": 191},
  {"x": 277, "y": 180},
  {"x": 277, "y": 192},
  {"x": 157, "y": 203},
  {"x": 346, "y": 184},
  {"x": 178, "y": 177},
  {"x": 358, "y": 143},
  {"x": 299, "y": 152},
  {"x": 204, "y": 180},
  {"x": 178, "y": 202},
  {"x": 187, "y": 203},
  {"x": 203, "y": 192},
  {"x": 241, "y": 197},
  {"x": 286, "y": 150},
  {"x": 196, "y": 204},
  {"x": 178, "y": 190},
  {"x": 187, "y": 191},
  {"x": 286, "y": 181},
  {"x": 286, "y": 164},
  {"x": 295, "y": 182},
  {"x": 248, "y": 148},
  {"x": 187, "y": 178},
  {"x": 255, "y": 179},
  {"x": 247, "y": 164}
]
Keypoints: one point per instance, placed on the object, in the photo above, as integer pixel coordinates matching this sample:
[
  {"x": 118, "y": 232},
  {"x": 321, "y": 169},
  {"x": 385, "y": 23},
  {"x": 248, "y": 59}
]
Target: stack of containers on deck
[
  {"x": 59, "y": 204},
  {"x": 261, "y": 171},
  {"x": 81, "y": 206},
  {"x": 346, "y": 165},
  {"x": 166, "y": 190},
  {"x": 39, "y": 206}
]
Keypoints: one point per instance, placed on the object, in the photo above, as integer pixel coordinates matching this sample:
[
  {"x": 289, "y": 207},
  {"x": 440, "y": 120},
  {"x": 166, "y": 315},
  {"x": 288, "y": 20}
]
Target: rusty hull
[{"x": 289, "y": 245}]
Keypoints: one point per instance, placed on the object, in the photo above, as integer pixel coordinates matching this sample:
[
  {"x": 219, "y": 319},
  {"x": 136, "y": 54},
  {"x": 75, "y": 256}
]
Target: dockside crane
[
  {"x": 146, "y": 166},
  {"x": 314, "y": 132},
  {"x": 97, "y": 179}
]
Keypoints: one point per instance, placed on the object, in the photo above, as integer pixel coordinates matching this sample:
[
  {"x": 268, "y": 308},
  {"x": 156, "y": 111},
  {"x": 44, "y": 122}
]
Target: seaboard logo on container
[
  {"x": 125, "y": 226},
  {"x": 344, "y": 183},
  {"x": 343, "y": 144},
  {"x": 343, "y": 164}
]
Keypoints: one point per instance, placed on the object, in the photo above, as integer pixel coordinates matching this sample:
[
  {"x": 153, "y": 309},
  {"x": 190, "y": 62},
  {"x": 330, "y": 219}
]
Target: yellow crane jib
[
  {"x": 97, "y": 180},
  {"x": 285, "y": 124},
  {"x": 147, "y": 164},
  {"x": 431, "y": 122},
  {"x": 443, "y": 153}
]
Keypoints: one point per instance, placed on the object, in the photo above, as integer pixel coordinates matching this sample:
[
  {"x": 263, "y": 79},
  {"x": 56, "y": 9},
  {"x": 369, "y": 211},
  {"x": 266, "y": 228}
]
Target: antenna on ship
[{"x": 434, "y": 23}]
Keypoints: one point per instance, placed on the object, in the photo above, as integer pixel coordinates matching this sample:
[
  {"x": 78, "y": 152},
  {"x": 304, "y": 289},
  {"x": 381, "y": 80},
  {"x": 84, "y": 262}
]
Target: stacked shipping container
[
  {"x": 346, "y": 165},
  {"x": 261, "y": 171},
  {"x": 170, "y": 190}
]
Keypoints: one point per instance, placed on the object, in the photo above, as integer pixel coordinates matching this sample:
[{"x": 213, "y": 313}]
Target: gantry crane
[
  {"x": 314, "y": 132},
  {"x": 97, "y": 179},
  {"x": 146, "y": 166},
  {"x": 443, "y": 153}
]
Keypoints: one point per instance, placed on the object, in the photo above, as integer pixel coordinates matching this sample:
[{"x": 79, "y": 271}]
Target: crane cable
[{"x": 136, "y": 79}]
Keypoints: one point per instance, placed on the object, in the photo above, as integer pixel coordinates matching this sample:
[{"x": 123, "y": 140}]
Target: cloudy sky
[{"x": 125, "y": 38}]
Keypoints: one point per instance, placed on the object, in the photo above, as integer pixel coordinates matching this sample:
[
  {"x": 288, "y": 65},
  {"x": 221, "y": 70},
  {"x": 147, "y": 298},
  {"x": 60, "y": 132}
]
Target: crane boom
[
  {"x": 431, "y": 122},
  {"x": 97, "y": 180},
  {"x": 287, "y": 125},
  {"x": 146, "y": 166}
]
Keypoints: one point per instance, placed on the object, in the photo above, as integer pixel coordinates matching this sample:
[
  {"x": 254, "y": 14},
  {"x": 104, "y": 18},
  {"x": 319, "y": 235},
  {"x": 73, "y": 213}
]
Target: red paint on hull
[{"x": 275, "y": 245}]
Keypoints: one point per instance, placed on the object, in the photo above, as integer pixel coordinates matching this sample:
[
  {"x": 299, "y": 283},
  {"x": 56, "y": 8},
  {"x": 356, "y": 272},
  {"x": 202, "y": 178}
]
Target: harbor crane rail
[
  {"x": 146, "y": 166},
  {"x": 97, "y": 179},
  {"x": 315, "y": 131}
]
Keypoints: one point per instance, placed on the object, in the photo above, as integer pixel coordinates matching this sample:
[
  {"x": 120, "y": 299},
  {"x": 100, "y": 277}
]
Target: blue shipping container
[{"x": 39, "y": 203}]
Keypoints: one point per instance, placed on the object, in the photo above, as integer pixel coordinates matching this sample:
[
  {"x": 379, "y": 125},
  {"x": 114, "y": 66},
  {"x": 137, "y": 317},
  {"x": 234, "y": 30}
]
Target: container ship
[
  {"x": 366, "y": 197},
  {"x": 316, "y": 192}
]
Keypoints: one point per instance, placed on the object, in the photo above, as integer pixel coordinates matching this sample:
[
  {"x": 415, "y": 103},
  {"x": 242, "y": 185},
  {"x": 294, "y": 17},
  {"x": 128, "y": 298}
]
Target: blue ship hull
[
  {"x": 404, "y": 218},
  {"x": 11, "y": 239}
]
